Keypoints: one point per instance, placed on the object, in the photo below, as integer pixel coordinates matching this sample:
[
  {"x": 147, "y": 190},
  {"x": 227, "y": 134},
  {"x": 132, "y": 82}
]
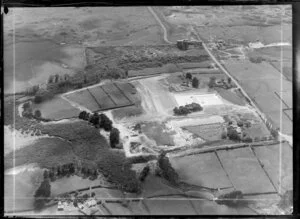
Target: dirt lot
[
  {"x": 269, "y": 156},
  {"x": 239, "y": 161},
  {"x": 201, "y": 169}
]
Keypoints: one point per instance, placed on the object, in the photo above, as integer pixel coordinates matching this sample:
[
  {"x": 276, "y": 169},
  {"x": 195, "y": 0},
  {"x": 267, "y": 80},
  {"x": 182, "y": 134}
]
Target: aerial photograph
[{"x": 159, "y": 110}]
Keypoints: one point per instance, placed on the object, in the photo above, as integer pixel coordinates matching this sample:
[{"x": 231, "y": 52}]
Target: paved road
[{"x": 161, "y": 24}]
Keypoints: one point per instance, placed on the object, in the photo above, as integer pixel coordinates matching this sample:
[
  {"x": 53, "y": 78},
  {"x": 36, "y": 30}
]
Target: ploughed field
[{"x": 104, "y": 97}]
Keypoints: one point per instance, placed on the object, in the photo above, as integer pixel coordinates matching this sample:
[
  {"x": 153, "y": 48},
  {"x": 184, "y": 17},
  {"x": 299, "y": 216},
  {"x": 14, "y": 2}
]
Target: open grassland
[
  {"x": 202, "y": 170},
  {"x": 107, "y": 96},
  {"x": 261, "y": 81},
  {"x": 118, "y": 25},
  {"x": 210, "y": 132},
  {"x": 230, "y": 23},
  {"x": 244, "y": 171},
  {"x": 270, "y": 158},
  {"x": 56, "y": 109}
]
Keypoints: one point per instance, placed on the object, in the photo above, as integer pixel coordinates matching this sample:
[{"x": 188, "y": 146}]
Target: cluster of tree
[
  {"x": 230, "y": 198},
  {"x": 70, "y": 169},
  {"x": 233, "y": 134},
  {"x": 274, "y": 133},
  {"x": 144, "y": 173},
  {"x": 32, "y": 90},
  {"x": 258, "y": 59},
  {"x": 195, "y": 81},
  {"x": 188, "y": 108},
  {"x": 102, "y": 121},
  {"x": 97, "y": 120},
  {"x": 42, "y": 95},
  {"x": 212, "y": 82},
  {"x": 42, "y": 194},
  {"x": 28, "y": 112},
  {"x": 166, "y": 169}
]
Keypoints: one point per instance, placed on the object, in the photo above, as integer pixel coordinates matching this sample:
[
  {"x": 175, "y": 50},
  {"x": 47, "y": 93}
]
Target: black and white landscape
[{"x": 148, "y": 110}]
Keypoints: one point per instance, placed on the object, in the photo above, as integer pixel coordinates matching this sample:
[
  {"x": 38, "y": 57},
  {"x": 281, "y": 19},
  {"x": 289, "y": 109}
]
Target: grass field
[
  {"x": 269, "y": 156},
  {"x": 231, "y": 96},
  {"x": 56, "y": 109},
  {"x": 202, "y": 170},
  {"x": 210, "y": 132},
  {"x": 257, "y": 130},
  {"x": 239, "y": 161}
]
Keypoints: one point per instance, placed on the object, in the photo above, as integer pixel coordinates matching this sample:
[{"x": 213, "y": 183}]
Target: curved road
[{"x": 161, "y": 24}]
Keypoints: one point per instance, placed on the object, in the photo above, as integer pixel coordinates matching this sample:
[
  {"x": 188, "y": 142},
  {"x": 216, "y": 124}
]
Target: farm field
[
  {"x": 210, "y": 132},
  {"x": 286, "y": 98},
  {"x": 170, "y": 206},
  {"x": 202, "y": 170},
  {"x": 83, "y": 98},
  {"x": 262, "y": 87},
  {"x": 187, "y": 65},
  {"x": 269, "y": 156},
  {"x": 104, "y": 97},
  {"x": 56, "y": 109},
  {"x": 239, "y": 161}
]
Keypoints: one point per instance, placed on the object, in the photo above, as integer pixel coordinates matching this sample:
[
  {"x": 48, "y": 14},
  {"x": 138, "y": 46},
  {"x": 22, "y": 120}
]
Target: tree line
[{"x": 103, "y": 122}]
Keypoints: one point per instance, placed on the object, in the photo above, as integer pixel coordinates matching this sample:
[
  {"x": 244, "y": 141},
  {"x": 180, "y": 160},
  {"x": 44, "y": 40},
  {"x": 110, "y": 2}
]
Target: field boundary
[
  {"x": 281, "y": 99},
  {"x": 262, "y": 166},
  {"x": 94, "y": 98},
  {"x": 215, "y": 152},
  {"x": 122, "y": 92}
]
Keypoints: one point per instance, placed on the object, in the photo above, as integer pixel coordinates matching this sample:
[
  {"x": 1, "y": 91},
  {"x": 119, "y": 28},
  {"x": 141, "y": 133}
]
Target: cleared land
[
  {"x": 202, "y": 170},
  {"x": 245, "y": 171},
  {"x": 269, "y": 156}
]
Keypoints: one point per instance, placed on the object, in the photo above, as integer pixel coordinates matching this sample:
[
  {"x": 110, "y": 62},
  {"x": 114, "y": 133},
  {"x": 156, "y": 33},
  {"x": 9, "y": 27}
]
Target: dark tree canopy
[
  {"x": 195, "y": 82},
  {"x": 188, "y": 76},
  {"x": 37, "y": 114},
  {"x": 114, "y": 137}
]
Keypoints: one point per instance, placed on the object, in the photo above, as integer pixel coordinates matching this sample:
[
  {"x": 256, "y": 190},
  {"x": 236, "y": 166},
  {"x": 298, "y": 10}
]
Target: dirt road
[{"x": 161, "y": 24}]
